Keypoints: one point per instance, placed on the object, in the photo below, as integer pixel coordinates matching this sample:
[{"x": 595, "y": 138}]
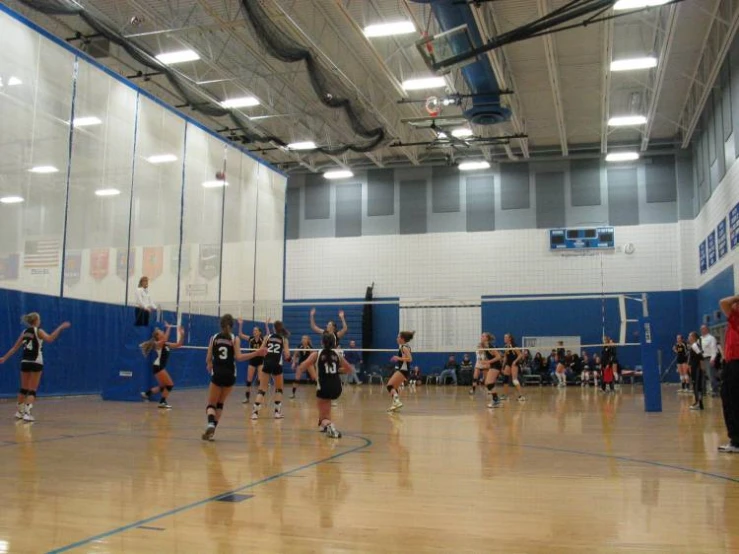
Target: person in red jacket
[{"x": 730, "y": 382}]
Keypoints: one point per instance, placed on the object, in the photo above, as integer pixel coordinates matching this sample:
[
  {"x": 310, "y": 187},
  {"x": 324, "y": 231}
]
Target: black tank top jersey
[
  {"x": 224, "y": 357},
  {"x": 275, "y": 346},
  {"x": 328, "y": 368},
  {"x": 32, "y": 346},
  {"x": 303, "y": 354},
  {"x": 162, "y": 357},
  {"x": 255, "y": 344},
  {"x": 608, "y": 356},
  {"x": 336, "y": 340},
  {"x": 510, "y": 356},
  {"x": 682, "y": 352},
  {"x": 561, "y": 355},
  {"x": 489, "y": 352},
  {"x": 401, "y": 365}
]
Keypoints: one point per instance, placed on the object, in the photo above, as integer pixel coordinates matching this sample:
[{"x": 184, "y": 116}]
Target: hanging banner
[
  {"x": 209, "y": 262},
  {"x": 99, "y": 263},
  {"x": 711, "y": 249},
  {"x": 734, "y": 226},
  {"x": 125, "y": 260},
  {"x": 72, "y": 267},
  {"x": 175, "y": 261},
  {"x": 721, "y": 238},
  {"x": 153, "y": 261},
  {"x": 702, "y": 260},
  {"x": 41, "y": 253}
]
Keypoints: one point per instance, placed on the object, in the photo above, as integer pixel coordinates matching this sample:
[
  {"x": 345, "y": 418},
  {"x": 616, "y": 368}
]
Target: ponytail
[{"x": 31, "y": 319}]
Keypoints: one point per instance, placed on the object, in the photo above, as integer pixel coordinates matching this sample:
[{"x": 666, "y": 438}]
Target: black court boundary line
[{"x": 367, "y": 443}]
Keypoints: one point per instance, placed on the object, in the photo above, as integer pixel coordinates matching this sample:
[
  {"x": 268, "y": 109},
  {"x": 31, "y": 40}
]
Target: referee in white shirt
[
  {"x": 710, "y": 349},
  {"x": 144, "y": 304}
]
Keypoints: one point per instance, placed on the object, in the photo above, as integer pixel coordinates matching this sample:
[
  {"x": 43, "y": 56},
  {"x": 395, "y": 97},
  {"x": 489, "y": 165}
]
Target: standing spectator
[
  {"x": 730, "y": 377},
  {"x": 450, "y": 370},
  {"x": 697, "y": 370},
  {"x": 708, "y": 344},
  {"x": 354, "y": 359},
  {"x": 144, "y": 304}
]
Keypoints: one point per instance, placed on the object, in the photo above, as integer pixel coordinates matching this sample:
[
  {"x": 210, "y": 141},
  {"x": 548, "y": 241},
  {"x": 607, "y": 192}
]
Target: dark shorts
[
  {"x": 496, "y": 365},
  {"x": 272, "y": 369},
  {"x": 223, "y": 378},
  {"x": 31, "y": 367},
  {"x": 682, "y": 359},
  {"x": 256, "y": 362},
  {"x": 156, "y": 369},
  {"x": 329, "y": 391},
  {"x": 405, "y": 372}
]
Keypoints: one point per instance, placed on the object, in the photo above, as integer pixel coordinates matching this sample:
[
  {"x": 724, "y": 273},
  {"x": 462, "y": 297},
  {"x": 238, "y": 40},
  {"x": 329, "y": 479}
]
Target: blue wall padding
[{"x": 711, "y": 293}]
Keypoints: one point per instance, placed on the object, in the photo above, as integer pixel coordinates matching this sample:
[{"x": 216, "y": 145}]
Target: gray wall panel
[
  {"x": 623, "y": 196},
  {"x": 719, "y": 133},
  {"x": 550, "y": 200},
  {"x": 445, "y": 189},
  {"x": 585, "y": 182},
  {"x": 317, "y": 197},
  {"x": 293, "y": 215},
  {"x": 514, "y": 186},
  {"x": 349, "y": 210},
  {"x": 660, "y": 179},
  {"x": 685, "y": 185},
  {"x": 726, "y": 101},
  {"x": 380, "y": 192},
  {"x": 413, "y": 204},
  {"x": 480, "y": 203}
]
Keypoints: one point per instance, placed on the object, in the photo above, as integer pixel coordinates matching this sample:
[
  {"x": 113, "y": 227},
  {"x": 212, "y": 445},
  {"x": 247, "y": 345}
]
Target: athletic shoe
[
  {"x": 19, "y": 413},
  {"x": 292, "y": 396},
  {"x": 210, "y": 430},
  {"x": 279, "y": 414},
  {"x": 729, "y": 448},
  {"x": 503, "y": 398},
  {"x": 28, "y": 417},
  {"x": 472, "y": 391},
  {"x": 522, "y": 398},
  {"x": 145, "y": 397},
  {"x": 494, "y": 404},
  {"x": 254, "y": 416},
  {"x": 245, "y": 400},
  {"x": 696, "y": 407},
  {"x": 331, "y": 432},
  {"x": 334, "y": 403},
  {"x": 396, "y": 405},
  {"x": 165, "y": 406}
]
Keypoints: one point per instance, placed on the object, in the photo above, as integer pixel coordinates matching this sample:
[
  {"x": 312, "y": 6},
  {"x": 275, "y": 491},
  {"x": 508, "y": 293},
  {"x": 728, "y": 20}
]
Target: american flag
[{"x": 41, "y": 253}]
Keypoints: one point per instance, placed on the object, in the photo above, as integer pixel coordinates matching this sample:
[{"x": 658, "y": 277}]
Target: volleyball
[{"x": 220, "y": 176}]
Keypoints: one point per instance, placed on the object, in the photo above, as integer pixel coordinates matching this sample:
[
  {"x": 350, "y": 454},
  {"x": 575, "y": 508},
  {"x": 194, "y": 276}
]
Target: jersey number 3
[{"x": 222, "y": 353}]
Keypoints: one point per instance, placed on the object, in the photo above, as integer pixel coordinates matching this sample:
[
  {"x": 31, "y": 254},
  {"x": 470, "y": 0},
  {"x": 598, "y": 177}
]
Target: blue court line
[
  {"x": 52, "y": 439},
  {"x": 146, "y": 527},
  {"x": 367, "y": 443}
]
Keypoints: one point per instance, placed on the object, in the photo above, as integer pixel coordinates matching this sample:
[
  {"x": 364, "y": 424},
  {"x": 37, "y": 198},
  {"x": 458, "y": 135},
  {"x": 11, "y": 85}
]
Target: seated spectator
[
  {"x": 575, "y": 367},
  {"x": 587, "y": 369},
  {"x": 354, "y": 359},
  {"x": 552, "y": 360},
  {"x": 524, "y": 364},
  {"x": 466, "y": 363},
  {"x": 415, "y": 376},
  {"x": 450, "y": 370},
  {"x": 539, "y": 365}
]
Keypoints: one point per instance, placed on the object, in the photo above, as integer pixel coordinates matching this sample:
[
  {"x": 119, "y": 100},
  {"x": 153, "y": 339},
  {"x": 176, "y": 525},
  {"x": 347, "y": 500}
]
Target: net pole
[{"x": 650, "y": 367}]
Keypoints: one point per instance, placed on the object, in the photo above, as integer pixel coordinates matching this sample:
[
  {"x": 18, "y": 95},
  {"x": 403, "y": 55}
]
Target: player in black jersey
[
  {"x": 330, "y": 327},
  {"x": 681, "y": 352},
  {"x": 495, "y": 361},
  {"x": 301, "y": 354},
  {"x": 402, "y": 368},
  {"x": 697, "y": 374},
  {"x": 255, "y": 364},
  {"x": 160, "y": 345},
  {"x": 224, "y": 350},
  {"x": 32, "y": 363},
  {"x": 329, "y": 364},
  {"x": 561, "y": 368},
  {"x": 278, "y": 350},
  {"x": 511, "y": 359},
  {"x": 609, "y": 364}
]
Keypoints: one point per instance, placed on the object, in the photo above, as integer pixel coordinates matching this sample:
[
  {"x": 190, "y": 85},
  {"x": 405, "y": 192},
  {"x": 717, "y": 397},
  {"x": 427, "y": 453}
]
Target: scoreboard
[{"x": 600, "y": 238}]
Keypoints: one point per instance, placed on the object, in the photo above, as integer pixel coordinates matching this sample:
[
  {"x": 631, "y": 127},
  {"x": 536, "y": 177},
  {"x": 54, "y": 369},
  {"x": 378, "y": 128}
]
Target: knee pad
[
  {"x": 31, "y": 392},
  {"x": 389, "y": 388},
  {"x": 169, "y": 387},
  {"x": 490, "y": 386},
  {"x": 278, "y": 391},
  {"x": 516, "y": 383},
  {"x": 219, "y": 406},
  {"x": 210, "y": 407},
  {"x": 24, "y": 392},
  {"x": 506, "y": 379}
]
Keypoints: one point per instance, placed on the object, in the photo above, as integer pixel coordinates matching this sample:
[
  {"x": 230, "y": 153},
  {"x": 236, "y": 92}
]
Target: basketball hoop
[{"x": 433, "y": 106}]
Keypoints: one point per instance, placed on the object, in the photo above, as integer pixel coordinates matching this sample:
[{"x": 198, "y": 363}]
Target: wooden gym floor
[{"x": 568, "y": 471}]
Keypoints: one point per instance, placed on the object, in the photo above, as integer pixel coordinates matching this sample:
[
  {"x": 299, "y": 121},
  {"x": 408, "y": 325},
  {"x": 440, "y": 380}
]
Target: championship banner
[
  {"x": 73, "y": 267},
  {"x": 123, "y": 262},
  {"x": 9, "y": 267},
  {"x": 175, "y": 261},
  {"x": 99, "y": 263},
  {"x": 209, "y": 262},
  {"x": 153, "y": 261}
]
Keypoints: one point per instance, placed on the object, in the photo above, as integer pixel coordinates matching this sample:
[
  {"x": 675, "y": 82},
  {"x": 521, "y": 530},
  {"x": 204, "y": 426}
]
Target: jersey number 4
[{"x": 29, "y": 345}]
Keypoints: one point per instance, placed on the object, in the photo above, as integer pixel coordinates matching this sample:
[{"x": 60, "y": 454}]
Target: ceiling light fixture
[
  {"x": 107, "y": 192},
  {"x": 241, "y": 102},
  {"x": 472, "y": 166},
  {"x": 638, "y": 4},
  {"x": 462, "y": 132},
  {"x": 338, "y": 174},
  {"x": 180, "y": 56},
  {"x": 43, "y": 169},
  {"x": 622, "y": 156},
  {"x": 630, "y": 64},
  {"x": 389, "y": 29},
  {"x": 161, "y": 158},
  {"x": 86, "y": 121},
  {"x": 305, "y": 145},
  {"x": 11, "y": 199},
  {"x": 627, "y": 121},
  {"x": 214, "y": 184},
  {"x": 424, "y": 83}
]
